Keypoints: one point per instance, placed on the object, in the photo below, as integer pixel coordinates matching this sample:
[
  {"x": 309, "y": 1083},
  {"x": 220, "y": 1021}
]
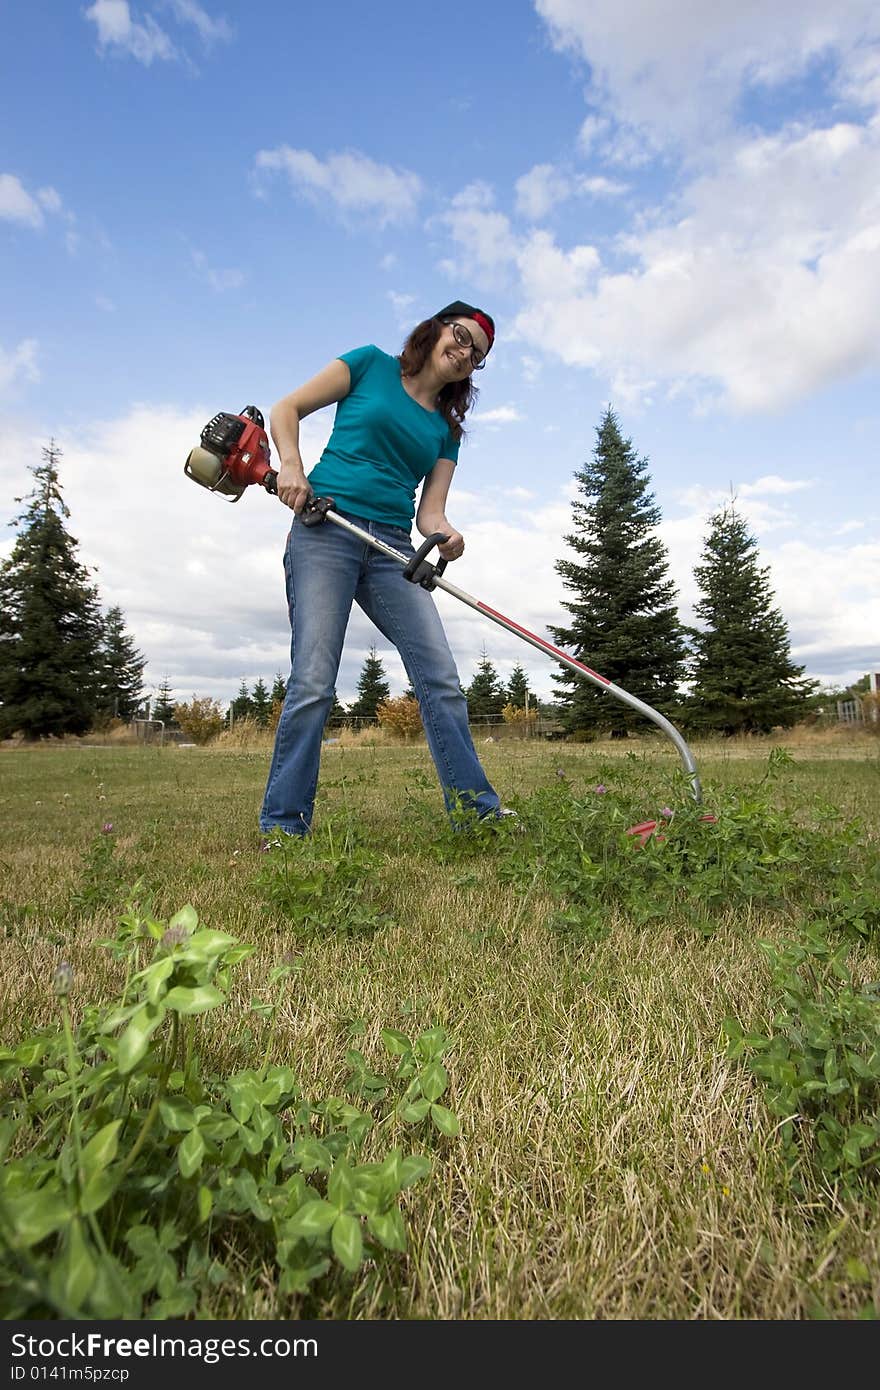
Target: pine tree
[
  {"x": 624, "y": 622},
  {"x": 486, "y": 696},
  {"x": 163, "y": 706},
  {"x": 372, "y": 689},
  {"x": 121, "y": 670},
  {"x": 261, "y": 704},
  {"x": 337, "y": 716},
  {"x": 518, "y": 689},
  {"x": 50, "y": 620},
  {"x": 279, "y": 689},
  {"x": 744, "y": 680},
  {"x": 242, "y": 706}
]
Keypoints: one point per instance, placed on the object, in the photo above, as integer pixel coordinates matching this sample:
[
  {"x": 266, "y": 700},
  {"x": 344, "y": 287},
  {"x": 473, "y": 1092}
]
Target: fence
[
  {"x": 494, "y": 726},
  {"x": 850, "y": 712},
  {"x": 154, "y": 731}
]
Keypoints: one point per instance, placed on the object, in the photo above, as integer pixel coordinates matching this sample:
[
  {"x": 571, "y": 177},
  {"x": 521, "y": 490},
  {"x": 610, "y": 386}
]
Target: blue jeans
[{"x": 326, "y": 569}]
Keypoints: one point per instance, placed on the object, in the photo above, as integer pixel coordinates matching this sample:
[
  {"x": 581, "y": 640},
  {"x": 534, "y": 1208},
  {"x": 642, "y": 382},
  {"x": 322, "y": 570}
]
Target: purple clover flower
[{"x": 600, "y": 789}]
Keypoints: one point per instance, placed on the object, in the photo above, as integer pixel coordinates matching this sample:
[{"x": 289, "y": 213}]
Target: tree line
[
  {"x": 487, "y": 696},
  {"x": 65, "y": 665}
]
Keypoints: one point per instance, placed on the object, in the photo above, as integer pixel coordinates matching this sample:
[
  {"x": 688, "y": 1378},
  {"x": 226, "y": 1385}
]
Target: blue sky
[{"x": 672, "y": 209}]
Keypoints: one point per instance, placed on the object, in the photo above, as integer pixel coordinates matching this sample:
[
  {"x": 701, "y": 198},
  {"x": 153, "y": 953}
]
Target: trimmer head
[{"x": 643, "y": 832}]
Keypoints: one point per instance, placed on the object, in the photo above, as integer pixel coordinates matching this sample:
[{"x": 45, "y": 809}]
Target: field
[{"x": 600, "y": 1145}]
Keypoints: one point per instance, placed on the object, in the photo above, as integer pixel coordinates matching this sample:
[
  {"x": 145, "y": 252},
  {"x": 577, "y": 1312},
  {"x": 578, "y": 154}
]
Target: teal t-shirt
[{"x": 383, "y": 443}]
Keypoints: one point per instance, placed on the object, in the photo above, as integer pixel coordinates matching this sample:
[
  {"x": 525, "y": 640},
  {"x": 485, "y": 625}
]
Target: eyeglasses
[{"x": 464, "y": 339}]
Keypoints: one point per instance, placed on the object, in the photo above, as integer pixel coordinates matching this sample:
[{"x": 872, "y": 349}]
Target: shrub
[
  {"x": 202, "y": 719},
  {"x": 520, "y": 721},
  {"x": 871, "y": 711},
  {"x": 246, "y": 732},
  {"x": 401, "y": 716}
]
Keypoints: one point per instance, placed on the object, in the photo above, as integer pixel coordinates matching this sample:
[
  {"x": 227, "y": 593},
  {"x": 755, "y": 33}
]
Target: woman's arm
[
  {"x": 331, "y": 384},
  {"x": 431, "y": 515}
]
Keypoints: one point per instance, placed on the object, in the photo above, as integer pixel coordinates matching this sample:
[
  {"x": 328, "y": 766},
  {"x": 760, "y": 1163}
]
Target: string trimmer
[{"x": 234, "y": 454}]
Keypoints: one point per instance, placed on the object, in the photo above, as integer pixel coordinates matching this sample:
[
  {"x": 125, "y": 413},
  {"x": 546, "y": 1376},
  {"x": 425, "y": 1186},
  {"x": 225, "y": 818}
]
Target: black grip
[
  {"x": 419, "y": 570},
  {"x": 270, "y": 482}
]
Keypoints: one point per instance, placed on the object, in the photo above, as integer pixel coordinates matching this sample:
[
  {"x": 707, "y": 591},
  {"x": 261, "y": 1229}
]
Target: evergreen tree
[
  {"x": 279, "y": 688},
  {"x": 624, "y": 624},
  {"x": 50, "y": 620},
  {"x": 518, "y": 689},
  {"x": 409, "y": 693},
  {"x": 372, "y": 689},
  {"x": 744, "y": 680},
  {"x": 261, "y": 704},
  {"x": 242, "y": 706},
  {"x": 121, "y": 670},
  {"x": 337, "y": 716},
  {"x": 486, "y": 696},
  {"x": 163, "y": 706}
]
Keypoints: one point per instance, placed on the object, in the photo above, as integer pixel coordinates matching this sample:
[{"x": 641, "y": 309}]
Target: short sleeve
[
  {"x": 358, "y": 361},
  {"x": 449, "y": 448}
]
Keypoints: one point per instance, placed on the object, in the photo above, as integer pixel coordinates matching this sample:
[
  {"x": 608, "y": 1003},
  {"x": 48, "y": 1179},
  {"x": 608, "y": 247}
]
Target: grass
[{"x": 612, "y": 1162}]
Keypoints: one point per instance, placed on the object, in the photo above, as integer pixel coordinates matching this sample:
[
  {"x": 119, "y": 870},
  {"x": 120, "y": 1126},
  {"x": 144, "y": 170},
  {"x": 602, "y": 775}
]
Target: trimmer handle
[{"x": 422, "y": 571}]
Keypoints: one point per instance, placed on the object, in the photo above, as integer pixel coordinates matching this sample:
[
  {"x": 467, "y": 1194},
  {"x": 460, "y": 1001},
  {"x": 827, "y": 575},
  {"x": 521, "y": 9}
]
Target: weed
[
  {"x": 130, "y": 1175},
  {"x": 820, "y": 1060},
  {"x": 329, "y": 881},
  {"x": 102, "y": 876}
]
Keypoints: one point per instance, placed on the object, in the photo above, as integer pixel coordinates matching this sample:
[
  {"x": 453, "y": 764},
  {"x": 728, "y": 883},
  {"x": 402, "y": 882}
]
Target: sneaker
[
  {"x": 506, "y": 813},
  {"x": 277, "y": 838}
]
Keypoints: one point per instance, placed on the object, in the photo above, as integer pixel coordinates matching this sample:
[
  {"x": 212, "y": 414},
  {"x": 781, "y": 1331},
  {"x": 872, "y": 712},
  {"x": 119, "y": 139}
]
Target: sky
[{"x": 670, "y": 209}]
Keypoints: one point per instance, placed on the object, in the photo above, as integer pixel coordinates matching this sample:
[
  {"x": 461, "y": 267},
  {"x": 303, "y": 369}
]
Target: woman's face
[{"x": 453, "y": 359}]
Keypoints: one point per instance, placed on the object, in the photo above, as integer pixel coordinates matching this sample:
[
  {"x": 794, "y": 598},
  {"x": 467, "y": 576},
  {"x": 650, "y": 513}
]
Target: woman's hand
[
  {"x": 293, "y": 486},
  {"x": 453, "y": 547}
]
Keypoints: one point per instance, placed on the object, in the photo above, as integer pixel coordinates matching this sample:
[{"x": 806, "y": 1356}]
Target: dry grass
[{"x": 612, "y": 1163}]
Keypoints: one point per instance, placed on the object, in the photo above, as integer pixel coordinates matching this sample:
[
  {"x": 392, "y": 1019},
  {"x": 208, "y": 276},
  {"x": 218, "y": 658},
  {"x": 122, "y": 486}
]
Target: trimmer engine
[{"x": 234, "y": 453}]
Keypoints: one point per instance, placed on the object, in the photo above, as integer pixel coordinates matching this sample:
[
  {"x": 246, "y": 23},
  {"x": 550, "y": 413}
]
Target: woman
[{"x": 398, "y": 421}]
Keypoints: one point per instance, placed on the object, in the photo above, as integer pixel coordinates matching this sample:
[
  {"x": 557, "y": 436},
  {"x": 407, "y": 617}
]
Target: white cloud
[
  {"x": 501, "y": 415},
  {"x": 118, "y": 32},
  {"x": 546, "y": 185},
  {"x": 353, "y": 181},
  {"x": 676, "y": 72},
  {"x": 19, "y": 365},
  {"x": 538, "y": 191},
  {"x": 485, "y": 243},
  {"x": 772, "y": 484},
  {"x": 531, "y": 368},
  {"x": 601, "y": 187},
  {"x": 219, "y": 280},
  {"x": 210, "y": 30},
  {"x": 592, "y": 130},
  {"x": 17, "y": 205},
  {"x": 760, "y": 283},
  {"x": 404, "y": 314}
]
